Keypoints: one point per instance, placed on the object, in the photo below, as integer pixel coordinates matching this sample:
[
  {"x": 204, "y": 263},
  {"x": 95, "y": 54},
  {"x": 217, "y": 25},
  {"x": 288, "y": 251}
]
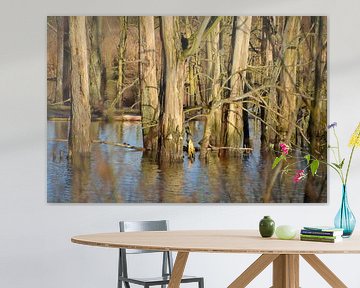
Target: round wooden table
[{"x": 284, "y": 254}]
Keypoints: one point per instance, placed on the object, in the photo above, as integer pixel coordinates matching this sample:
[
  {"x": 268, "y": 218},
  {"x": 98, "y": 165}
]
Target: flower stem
[
  {"x": 348, "y": 166},
  {"x": 340, "y": 159}
]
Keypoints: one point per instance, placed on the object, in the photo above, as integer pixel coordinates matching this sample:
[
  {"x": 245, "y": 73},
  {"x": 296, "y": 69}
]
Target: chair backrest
[{"x": 134, "y": 226}]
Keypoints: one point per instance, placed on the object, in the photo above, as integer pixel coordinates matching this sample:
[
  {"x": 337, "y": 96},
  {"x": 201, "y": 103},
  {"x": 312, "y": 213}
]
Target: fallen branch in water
[
  {"x": 213, "y": 148},
  {"x": 124, "y": 145},
  {"x": 185, "y": 148}
]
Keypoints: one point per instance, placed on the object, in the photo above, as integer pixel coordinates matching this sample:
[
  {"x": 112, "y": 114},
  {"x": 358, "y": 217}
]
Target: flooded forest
[{"x": 185, "y": 109}]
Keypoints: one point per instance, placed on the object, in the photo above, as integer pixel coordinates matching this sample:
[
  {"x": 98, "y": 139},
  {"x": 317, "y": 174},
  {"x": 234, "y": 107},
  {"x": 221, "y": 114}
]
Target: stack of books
[{"x": 321, "y": 234}]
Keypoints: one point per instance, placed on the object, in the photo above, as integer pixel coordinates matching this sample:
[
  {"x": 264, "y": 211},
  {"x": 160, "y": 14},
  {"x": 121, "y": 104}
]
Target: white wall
[{"x": 35, "y": 248}]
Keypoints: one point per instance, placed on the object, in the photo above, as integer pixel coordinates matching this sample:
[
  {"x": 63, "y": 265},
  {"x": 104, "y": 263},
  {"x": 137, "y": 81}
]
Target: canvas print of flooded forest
[{"x": 186, "y": 109}]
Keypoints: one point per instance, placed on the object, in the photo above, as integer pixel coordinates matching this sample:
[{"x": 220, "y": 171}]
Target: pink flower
[
  {"x": 284, "y": 148},
  {"x": 300, "y": 174}
]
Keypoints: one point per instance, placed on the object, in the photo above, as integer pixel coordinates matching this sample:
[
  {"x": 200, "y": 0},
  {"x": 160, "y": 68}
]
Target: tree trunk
[
  {"x": 192, "y": 85},
  {"x": 175, "y": 54},
  {"x": 171, "y": 122},
  {"x": 233, "y": 134},
  {"x": 316, "y": 127},
  {"x": 60, "y": 59},
  {"x": 95, "y": 68},
  {"x": 67, "y": 62},
  {"x": 212, "y": 128},
  {"x": 288, "y": 98},
  {"x": 148, "y": 83},
  {"x": 270, "y": 77},
  {"x": 79, "y": 136},
  {"x": 123, "y": 23}
]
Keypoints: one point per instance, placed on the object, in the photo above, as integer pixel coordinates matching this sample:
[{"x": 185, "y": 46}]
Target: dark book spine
[
  {"x": 318, "y": 233},
  {"x": 317, "y": 239}
]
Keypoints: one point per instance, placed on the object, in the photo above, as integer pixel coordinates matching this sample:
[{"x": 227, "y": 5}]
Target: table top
[{"x": 216, "y": 241}]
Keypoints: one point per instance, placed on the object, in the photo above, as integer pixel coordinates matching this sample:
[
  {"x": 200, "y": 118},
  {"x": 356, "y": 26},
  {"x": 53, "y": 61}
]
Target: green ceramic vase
[{"x": 266, "y": 227}]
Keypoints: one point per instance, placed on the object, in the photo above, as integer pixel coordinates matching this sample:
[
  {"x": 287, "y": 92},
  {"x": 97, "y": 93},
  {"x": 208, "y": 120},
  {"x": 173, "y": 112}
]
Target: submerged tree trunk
[
  {"x": 175, "y": 55},
  {"x": 79, "y": 136},
  {"x": 123, "y": 24},
  {"x": 148, "y": 83},
  {"x": 171, "y": 123},
  {"x": 287, "y": 93},
  {"x": 233, "y": 128},
  {"x": 60, "y": 59},
  {"x": 95, "y": 68},
  {"x": 317, "y": 125},
  {"x": 212, "y": 128}
]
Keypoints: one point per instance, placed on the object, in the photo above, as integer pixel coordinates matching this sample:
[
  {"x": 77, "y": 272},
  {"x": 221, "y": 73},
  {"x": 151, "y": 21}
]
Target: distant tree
[
  {"x": 79, "y": 135},
  {"x": 60, "y": 59},
  {"x": 233, "y": 126},
  {"x": 67, "y": 61},
  {"x": 270, "y": 78},
  {"x": 123, "y": 26},
  {"x": 94, "y": 30},
  {"x": 287, "y": 92},
  {"x": 148, "y": 83}
]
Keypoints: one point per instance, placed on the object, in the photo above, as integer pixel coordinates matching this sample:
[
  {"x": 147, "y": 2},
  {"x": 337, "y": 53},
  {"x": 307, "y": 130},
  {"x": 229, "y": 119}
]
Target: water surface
[{"x": 119, "y": 175}]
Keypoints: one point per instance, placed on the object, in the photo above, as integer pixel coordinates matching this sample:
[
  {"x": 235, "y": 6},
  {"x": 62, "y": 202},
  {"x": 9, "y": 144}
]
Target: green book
[
  {"x": 325, "y": 240},
  {"x": 319, "y": 236}
]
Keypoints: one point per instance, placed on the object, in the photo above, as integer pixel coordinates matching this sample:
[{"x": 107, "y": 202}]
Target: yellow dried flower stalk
[{"x": 355, "y": 138}]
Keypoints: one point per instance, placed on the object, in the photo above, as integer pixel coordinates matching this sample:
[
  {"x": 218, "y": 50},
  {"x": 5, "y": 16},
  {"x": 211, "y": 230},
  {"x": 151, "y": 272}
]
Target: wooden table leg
[
  {"x": 253, "y": 270},
  {"x": 324, "y": 271},
  {"x": 286, "y": 271},
  {"x": 178, "y": 269}
]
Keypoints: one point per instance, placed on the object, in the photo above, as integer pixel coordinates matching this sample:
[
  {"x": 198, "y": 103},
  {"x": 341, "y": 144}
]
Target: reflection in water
[{"x": 114, "y": 174}]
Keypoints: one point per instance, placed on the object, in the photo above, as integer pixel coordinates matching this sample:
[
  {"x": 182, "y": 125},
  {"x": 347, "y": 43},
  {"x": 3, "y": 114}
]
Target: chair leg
[{"x": 201, "y": 283}]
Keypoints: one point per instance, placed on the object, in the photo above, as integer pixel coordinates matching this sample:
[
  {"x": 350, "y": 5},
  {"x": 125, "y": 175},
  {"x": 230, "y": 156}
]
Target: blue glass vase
[{"x": 345, "y": 219}]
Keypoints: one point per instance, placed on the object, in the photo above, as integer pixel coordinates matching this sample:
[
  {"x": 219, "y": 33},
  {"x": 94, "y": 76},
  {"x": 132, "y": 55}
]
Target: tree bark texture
[
  {"x": 148, "y": 83},
  {"x": 233, "y": 134},
  {"x": 79, "y": 136}
]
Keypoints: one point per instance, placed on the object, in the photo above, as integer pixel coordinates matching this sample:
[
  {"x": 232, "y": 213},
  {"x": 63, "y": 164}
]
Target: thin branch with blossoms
[{"x": 313, "y": 163}]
